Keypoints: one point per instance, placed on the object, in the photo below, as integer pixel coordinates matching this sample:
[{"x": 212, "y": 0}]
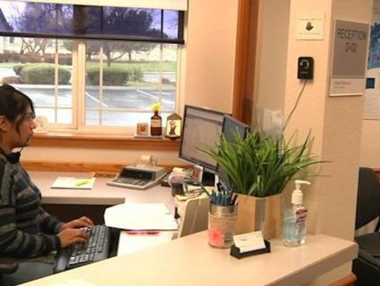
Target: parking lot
[{"x": 113, "y": 97}]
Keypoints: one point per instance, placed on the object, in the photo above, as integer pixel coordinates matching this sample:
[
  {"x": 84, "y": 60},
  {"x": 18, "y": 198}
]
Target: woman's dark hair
[{"x": 14, "y": 103}]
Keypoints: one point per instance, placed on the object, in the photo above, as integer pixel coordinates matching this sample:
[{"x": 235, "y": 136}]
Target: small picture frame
[
  {"x": 173, "y": 126},
  {"x": 142, "y": 128},
  {"x": 197, "y": 173}
]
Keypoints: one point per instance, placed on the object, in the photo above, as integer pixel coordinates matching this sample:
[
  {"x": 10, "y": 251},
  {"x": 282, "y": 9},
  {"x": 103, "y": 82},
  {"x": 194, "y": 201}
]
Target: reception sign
[{"x": 349, "y": 58}]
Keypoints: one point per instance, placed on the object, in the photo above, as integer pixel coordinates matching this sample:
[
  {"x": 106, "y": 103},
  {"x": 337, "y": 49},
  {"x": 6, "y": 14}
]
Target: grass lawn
[
  {"x": 141, "y": 85},
  {"x": 7, "y": 65},
  {"x": 144, "y": 66}
]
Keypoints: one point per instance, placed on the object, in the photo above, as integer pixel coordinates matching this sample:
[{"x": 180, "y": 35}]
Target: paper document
[
  {"x": 140, "y": 216},
  {"x": 73, "y": 183},
  {"x": 141, "y": 208},
  {"x": 132, "y": 243}
]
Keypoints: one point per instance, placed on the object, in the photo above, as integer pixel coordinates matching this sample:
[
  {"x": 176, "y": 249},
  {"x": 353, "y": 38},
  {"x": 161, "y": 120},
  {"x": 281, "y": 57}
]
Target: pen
[
  {"x": 204, "y": 189},
  {"x": 82, "y": 182},
  {"x": 234, "y": 199},
  {"x": 143, "y": 232}
]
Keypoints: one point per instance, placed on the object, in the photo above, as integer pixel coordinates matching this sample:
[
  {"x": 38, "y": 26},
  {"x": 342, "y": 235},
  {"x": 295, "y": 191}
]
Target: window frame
[
  {"x": 102, "y": 141},
  {"x": 79, "y": 86},
  {"x": 247, "y": 28},
  {"x": 78, "y": 104},
  {"x": 108, "y": 137}
]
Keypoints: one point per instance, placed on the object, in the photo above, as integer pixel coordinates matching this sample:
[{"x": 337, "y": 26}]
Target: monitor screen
[
  {"x": 232, "y": 128},
  {"x": 201, "y": 129}
]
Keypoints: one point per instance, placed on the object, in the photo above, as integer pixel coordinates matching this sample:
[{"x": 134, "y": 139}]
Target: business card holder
[{"x": 235, "y": 251}]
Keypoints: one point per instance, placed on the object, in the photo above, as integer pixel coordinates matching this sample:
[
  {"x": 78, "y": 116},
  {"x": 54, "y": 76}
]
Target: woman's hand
[
  {"x": 77, "y": 223},
  {"x": 70, "y": 236}
]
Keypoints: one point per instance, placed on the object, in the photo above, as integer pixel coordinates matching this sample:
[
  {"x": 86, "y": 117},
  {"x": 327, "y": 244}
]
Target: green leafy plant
[
  {"x": 261, "y": 166},
  {"x": 17, "y": 68},
  {"x": 136, "y": 74},
  {"x": 112, "y": 76},
  {"x": 44, "y": 74}
]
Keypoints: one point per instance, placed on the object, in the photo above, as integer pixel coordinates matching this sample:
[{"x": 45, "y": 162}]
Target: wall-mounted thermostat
[{"x": 305, "y": 68}]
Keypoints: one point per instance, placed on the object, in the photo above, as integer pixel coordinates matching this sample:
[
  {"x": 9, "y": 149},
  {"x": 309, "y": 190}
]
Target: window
[
  {"x": 124, "y": 79},
  {"x": 41, "y": 68},
  {"x": 102, "y": 71}
]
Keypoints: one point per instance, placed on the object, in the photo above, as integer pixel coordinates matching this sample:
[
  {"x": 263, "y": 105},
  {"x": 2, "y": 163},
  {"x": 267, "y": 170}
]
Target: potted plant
[{"x": 258, "y": 168}]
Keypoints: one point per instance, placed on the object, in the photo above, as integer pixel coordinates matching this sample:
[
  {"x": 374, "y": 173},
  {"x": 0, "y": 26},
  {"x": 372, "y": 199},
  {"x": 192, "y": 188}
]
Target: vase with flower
[{"x": 156, "y": 121}]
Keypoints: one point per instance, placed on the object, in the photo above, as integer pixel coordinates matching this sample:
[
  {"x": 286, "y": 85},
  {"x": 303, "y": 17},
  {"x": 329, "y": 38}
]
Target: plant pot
[{"x": 259, "y": 214}]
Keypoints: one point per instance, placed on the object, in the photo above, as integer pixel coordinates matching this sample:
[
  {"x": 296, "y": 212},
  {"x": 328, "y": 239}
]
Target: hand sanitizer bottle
[{"x": 294, "y": 228}]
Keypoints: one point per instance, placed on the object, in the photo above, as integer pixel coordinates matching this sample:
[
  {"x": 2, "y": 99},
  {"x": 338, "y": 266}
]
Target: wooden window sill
[{"x": 102, "y": 141}]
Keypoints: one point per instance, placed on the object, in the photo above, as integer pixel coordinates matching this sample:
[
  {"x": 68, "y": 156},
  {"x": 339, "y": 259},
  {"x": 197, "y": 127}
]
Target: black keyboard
[{"x": 95, "y": 249}]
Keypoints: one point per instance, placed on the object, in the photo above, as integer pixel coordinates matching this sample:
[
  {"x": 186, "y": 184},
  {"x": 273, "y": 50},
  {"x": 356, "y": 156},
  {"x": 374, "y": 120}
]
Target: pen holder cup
[
  {"x": 221, "y": 225},
  {"x": 177, "y": 189}
]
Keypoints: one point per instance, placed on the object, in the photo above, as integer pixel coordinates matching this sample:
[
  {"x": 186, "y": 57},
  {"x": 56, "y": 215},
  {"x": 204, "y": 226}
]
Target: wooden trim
[
  {"x": 241, "y": 63},
  {"x": 245, "y": 60},
  {"x": 345, "y": 281},
  {"x": 103, "y": 168},
  {"x": 99, "y": 141},
  {"x": 249, "y": 97}
]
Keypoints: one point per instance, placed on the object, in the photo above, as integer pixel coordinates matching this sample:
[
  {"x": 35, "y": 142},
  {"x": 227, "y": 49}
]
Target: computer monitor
[
  {"x": 201, "y": 129},
  {"x": 231, "y": 130},
  {"x": 233, "y": 127}
]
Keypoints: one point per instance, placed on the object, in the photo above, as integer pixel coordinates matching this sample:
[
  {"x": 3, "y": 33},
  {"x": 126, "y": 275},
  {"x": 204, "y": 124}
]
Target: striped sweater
[{"x": 26, "y": 230}]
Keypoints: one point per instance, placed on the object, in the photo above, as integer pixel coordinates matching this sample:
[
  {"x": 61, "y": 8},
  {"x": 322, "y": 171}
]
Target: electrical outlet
[{"x": 305, "y": 68}]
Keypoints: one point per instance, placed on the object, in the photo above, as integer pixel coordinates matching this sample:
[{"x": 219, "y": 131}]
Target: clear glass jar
[{"x": 221, "y": 225}]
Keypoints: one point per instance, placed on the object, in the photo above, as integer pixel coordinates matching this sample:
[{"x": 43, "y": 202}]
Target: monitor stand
[{"x": 208, "y": 179}]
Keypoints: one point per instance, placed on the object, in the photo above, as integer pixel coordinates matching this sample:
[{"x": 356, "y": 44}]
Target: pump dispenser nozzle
[{"x": 297, "y": 196}]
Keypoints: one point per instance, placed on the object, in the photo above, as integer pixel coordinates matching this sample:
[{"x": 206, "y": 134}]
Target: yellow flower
[{"x": 156, "y": 107}]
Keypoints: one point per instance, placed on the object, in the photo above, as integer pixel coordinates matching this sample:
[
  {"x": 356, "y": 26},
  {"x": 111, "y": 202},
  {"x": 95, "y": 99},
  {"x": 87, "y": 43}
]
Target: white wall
[
  {"x": 335, "y": 123},
  {"x": 207, "y": 79},
  {"x": 271, "y": 55},
  {"x": 210, "y": 53}
]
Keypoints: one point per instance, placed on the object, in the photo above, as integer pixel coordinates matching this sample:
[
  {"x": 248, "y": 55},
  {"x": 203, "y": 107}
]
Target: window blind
[
  {"x": 180, "y": 5},
  {"x": 68, "y": 21}
]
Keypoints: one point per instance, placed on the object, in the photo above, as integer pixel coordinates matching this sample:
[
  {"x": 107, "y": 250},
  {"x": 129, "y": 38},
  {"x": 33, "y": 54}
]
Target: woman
[{"x": 26, "y": 230}]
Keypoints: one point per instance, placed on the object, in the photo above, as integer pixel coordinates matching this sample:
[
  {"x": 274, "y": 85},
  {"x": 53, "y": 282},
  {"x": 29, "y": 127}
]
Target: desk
[
  {"x": 100, "y": 194},
  {"x": 68, "y": 204},
  {"x": 190, "y": 261}
]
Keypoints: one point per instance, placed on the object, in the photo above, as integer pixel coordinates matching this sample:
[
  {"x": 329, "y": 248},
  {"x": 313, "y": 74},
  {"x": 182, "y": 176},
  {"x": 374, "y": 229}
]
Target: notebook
[{"x": 73, "y": 183}]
